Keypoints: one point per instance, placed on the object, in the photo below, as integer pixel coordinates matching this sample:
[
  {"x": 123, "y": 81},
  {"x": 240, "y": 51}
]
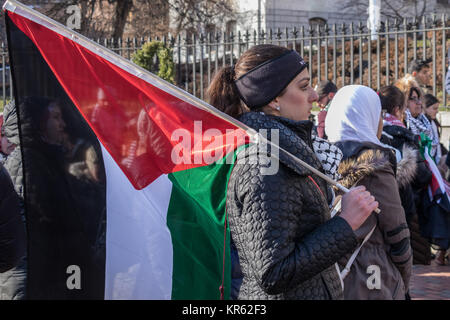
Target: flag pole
[
  {"x": 19, "y": 8},
  {"x": 35, "y": 16},
  {"x": 309, "y": 167}
]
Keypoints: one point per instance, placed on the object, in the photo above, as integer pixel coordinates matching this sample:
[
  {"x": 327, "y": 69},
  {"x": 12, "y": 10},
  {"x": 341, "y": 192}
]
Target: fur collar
[
  {"x": 407, "y": 167},
  {"x": 369, "y": 161},
  {"x": 365, "y": 164}
]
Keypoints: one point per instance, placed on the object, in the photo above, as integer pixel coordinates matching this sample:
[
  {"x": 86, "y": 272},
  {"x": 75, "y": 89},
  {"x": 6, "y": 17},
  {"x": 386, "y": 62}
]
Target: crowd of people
[
  {"x": 409, "y": 124},
  {"x": 295, "y": 236}
]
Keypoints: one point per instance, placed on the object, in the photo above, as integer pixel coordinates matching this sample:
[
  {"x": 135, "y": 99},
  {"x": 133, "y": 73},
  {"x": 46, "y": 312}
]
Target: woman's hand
[{"x": 357, "y": 205}]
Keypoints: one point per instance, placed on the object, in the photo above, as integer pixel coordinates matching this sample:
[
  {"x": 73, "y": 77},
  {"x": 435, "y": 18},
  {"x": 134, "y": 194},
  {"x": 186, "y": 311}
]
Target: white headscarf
[{"x": 354, "y": 114}]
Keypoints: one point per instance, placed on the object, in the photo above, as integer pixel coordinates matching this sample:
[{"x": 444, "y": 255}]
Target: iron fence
[{"x": 345, "y": 54}]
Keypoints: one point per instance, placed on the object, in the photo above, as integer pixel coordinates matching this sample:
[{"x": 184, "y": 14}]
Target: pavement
[{"x": 430, "y": 282}]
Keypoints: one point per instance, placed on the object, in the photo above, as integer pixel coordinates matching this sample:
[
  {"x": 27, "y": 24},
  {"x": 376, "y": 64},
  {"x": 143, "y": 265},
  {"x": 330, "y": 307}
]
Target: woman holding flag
[{"x": 280, "y": 222}]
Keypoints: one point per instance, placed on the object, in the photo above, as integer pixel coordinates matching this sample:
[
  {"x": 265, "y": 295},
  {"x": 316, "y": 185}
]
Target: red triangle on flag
[{"x": 147, "y": 130}]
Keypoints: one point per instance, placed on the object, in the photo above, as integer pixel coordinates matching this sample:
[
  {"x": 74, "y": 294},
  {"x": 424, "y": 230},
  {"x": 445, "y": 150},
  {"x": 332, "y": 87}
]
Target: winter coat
[
  {"x": 13, "y": 162},
  {"x": 10, "y": 126},
  {"x": 13, "y": 282},
  {"x": 411, "y": 193},
  {"x": 280, "y": 223},
  {"x": 407, "y": 143},
  {"x": 388, "y": 248},
  {"x": 406, "y": 173},
  {"x": 12, "y": 230}
]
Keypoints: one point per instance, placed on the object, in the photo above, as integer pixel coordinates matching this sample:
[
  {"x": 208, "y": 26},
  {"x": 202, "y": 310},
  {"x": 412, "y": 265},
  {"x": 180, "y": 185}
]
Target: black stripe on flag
[{"x": 64, "y": 182}]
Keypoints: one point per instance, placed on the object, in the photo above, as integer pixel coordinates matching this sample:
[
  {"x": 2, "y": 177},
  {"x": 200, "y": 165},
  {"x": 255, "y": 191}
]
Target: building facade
[{"x": 274, "y": 14}]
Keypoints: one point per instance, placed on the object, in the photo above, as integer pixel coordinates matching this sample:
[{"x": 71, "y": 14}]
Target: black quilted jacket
[
  {"x": 12, "y": 229},
  {"x": 280, "y": 224}
]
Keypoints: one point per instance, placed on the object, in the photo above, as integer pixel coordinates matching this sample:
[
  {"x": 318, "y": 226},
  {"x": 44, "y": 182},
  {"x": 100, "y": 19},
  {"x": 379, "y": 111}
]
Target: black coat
[
  {"x": 12, "y": 228},
  {"x": 410, "y": 188},
  {"x": 280, "y": 223},
  {"x": 13, "y": 282}
]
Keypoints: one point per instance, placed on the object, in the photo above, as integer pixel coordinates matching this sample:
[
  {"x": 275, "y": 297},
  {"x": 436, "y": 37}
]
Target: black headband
[{"x": 265, "y": 82}]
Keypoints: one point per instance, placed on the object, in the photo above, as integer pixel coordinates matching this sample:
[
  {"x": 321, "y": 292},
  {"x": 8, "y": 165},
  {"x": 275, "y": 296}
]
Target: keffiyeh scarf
[
  {"x": 422, "y": 125},
  {"x": 391, "y": 120},
  {"x": 329, "y": 155},
  {"x": 419, "y": 125}
]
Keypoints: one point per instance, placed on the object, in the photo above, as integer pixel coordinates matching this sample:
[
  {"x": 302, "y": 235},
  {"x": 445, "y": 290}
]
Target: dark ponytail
[{"x": 223, "y": 94}]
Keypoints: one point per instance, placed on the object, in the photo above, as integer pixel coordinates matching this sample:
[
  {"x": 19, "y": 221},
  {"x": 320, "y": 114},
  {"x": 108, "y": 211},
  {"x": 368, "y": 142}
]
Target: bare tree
[
  {"x": 114, "y": 18},
  {"x": 110, "y": 18},
  {"x": 121, "y": 12},
  {"x": 195, "y": 15}
]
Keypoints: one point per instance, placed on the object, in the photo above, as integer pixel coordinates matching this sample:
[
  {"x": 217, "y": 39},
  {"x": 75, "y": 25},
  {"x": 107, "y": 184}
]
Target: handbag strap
[{"x": 346, "y": 270}]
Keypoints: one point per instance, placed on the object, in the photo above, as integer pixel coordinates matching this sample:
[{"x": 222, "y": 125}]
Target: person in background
[
  {"x": 421, "y": 71},
  {"x": 354, "y": 125},
  {"x": 416, "y": 121},
  {"x": 325, "y": 90},
  {"x": 12, "y": 229},
  {"x": 12, "y": 224},
  {"x": 397, "y": 136},
  {"x": 412, "y": 176},
  {"x": 9, "y": 140},
  {"x": 431, "y": 110},
  {"x": 13, "y": 282}
]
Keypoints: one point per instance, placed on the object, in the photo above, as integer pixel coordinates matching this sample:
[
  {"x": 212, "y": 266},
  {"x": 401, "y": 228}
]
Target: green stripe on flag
[{"x": 196, "y": 219}]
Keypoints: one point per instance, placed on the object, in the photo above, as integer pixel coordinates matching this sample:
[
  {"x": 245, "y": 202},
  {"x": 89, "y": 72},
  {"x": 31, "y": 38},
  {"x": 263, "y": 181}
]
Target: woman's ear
[{"x": 274, "y": 105}]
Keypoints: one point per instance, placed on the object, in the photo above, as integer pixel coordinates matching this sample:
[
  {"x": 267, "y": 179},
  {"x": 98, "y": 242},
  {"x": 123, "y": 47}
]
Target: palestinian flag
[
  {"x": 124, "y": 174},
  {"x": 435, "y": 220},
  {"x": 438, "y": 188}
]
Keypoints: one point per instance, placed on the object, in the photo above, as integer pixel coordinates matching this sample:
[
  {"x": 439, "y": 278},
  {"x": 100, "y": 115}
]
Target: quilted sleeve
[
  {"x": 12, "y": 228},
  {"x": 265, "y": 225}
]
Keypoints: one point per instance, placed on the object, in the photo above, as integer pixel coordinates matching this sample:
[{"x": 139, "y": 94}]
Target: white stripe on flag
[{"x": 139, "y": 252}]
